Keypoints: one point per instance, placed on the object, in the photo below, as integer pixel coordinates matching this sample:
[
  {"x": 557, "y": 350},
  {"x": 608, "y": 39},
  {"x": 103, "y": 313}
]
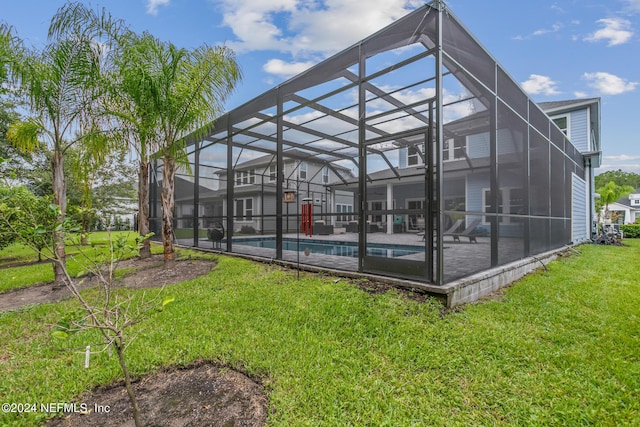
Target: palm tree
[
  {"x": 61, "y": 85},
  {"x": 610, "y": 193},
  {"x": 183, "y": 92},
  {"x": 132, "y": 107},
  {"x": 6, "y": 51},
  {"x": 128, "y": 100},
  {"x": 162, "y": 94}
]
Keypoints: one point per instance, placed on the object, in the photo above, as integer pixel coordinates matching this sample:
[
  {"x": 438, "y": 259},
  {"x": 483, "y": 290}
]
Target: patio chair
[
  {"x": 449, "y": 231},
  {"x": 467, "y": 232}
]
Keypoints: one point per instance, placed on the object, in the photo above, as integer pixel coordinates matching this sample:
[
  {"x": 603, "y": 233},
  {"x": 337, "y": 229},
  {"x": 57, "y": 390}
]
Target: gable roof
[
  {"x": 626, "y": 201},
  {"x": 292, "y": 154},
  {"x": 569, "y": 104}
]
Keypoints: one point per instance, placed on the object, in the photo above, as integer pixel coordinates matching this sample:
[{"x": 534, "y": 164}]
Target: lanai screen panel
[
  {"x": 510, "y": 161},
  {"x": 212, "y": 181}
]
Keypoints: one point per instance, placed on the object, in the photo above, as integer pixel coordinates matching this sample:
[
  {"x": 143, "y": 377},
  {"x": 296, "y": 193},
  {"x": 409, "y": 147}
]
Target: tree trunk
[
  {"x": 60, "y": 199},
  {"x": 168, "y": 176},
  {"x": 84, "y": 233},
  {"x": 143, "y": 207},
  {"x": 119, "y": 345}
]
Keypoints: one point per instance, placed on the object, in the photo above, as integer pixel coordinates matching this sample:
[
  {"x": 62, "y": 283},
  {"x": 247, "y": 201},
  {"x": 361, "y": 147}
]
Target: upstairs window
[
  {"x": 563, "y": 123},
  {"x": 272, "y": 173},
  {"x": 325, "y": 175},
  {"x": 245, "y": 178},
  {"x": 454, "y": 149},
  {"x": 302, "y": 170},
  {"x": 413, "y": 156}
]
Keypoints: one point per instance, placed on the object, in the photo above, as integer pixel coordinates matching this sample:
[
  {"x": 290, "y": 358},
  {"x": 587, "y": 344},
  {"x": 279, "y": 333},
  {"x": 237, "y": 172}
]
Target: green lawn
[
  {"x": 560, "y": 348},
  {"x": 29, "y": 274}
]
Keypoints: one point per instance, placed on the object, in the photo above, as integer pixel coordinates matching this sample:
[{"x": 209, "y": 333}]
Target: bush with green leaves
[
  {"x": 28, "y": 218},
  {"x": 631, "y": 231}
]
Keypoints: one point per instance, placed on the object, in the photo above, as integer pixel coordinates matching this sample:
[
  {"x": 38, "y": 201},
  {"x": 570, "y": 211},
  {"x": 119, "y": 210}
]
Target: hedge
[{"x": 631, "y": 231}]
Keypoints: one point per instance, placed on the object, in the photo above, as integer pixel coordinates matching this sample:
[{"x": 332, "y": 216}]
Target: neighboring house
[
  {"x": 254, "y": 194},
  {"x": 626, "y": 210}
]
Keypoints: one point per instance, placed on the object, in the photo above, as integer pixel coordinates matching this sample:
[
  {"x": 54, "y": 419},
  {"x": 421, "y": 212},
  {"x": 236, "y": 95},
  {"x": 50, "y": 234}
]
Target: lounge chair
[
  {"x": 467, "y": 232},
  {"x": 449, "y": 231}
]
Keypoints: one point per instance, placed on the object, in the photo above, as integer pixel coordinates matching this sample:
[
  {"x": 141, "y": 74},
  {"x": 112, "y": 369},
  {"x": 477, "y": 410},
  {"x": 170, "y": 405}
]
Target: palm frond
[
  {"x": 77, "y": 19},
  {"x": 25, "y": 135}
]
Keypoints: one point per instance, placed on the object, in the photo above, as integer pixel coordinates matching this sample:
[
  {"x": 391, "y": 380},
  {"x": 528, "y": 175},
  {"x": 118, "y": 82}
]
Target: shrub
[
  {"x": 247, "y": 229},
  {"x": 631, "y": 231}
]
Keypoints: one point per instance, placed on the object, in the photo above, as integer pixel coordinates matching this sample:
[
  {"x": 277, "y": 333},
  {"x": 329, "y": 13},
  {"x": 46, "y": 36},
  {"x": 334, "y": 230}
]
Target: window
[
  {"x": 563, "y": 123},
  {"x": 244, "y": 209},
  {"x": 377, "y": 206},
  {"x": 248, "y": 209},
  {"x": 272, "y": 173},
  {"x": 510, "y": 201},
  {"x": 245, "y": 177},
  {"x": 416, "y": 221},
  {"x": 325, "y": 175},
  {"x": 454, "y": 149},
  {"x": 302, "y": 170},
  {"x": 342, "y": 208},
  {"x": 413, "y": 157}
]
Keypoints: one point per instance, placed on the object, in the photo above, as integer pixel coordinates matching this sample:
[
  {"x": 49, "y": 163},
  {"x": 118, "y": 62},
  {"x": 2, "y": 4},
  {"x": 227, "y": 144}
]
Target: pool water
[{"x": 349, "y": 249}]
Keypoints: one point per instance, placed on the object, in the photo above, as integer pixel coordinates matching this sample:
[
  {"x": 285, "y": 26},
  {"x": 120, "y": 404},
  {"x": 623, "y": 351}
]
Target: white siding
[
  {"x": 476, "y": 183},
  {"x": 579, "y": 132},
  {"x": 579, "y": 225},
  {"x": 478, "y": 145}
]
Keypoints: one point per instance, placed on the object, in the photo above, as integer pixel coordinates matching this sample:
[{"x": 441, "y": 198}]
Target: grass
[
  {"x": 30, "y": 274},
  {"x": 561, "y": 347}
]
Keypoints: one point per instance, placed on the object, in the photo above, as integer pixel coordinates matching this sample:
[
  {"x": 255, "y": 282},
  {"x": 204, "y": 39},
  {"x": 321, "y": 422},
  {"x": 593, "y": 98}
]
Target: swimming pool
[{"x": 349, "y": 249}]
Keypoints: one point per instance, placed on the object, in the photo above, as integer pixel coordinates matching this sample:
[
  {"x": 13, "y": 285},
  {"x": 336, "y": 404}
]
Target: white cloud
[
  {"x": 152, "y": 6},
  {"x": 616, "y": 31},
  {"x": 538, "y": 84},
  {"x": 557, "y": 8},
  {"x": 308, "y": 27},
  {"x": 284, "y": 69},
  {"x": 624, "y": 162},
  {"x": 554, "y": 29},
  {"x": 580, "y": 94},
  {"x": 609, "y": 84},
  {"x": 621, "y": 158}
]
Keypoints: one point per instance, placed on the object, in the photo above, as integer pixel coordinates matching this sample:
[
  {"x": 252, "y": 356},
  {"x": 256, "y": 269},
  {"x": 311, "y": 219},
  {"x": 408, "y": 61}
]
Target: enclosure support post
[
  {"x": 196, "y": 195},
  {"x": 362, "y": 160},
  {"x": 279, "y": 176},
  {"x": 439, "y": 132},
  {"x": 230, "y": 183}
]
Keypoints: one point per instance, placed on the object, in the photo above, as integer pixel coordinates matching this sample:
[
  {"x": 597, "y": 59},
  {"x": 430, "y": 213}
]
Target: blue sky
[{"x": 556, "y": 49}]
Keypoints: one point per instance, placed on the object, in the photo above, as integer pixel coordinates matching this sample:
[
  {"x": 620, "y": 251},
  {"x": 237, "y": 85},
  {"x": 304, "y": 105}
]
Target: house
[
  {"x": 254, "y": 192},
  {"x": 415, "y": 129},
  {"x": 626, "y": 210},
  {"x": 467, "y": 143}
]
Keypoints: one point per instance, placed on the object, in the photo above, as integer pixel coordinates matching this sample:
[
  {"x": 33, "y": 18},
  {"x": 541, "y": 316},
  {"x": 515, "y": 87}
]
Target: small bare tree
[{"x": 109, "y": 311}]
